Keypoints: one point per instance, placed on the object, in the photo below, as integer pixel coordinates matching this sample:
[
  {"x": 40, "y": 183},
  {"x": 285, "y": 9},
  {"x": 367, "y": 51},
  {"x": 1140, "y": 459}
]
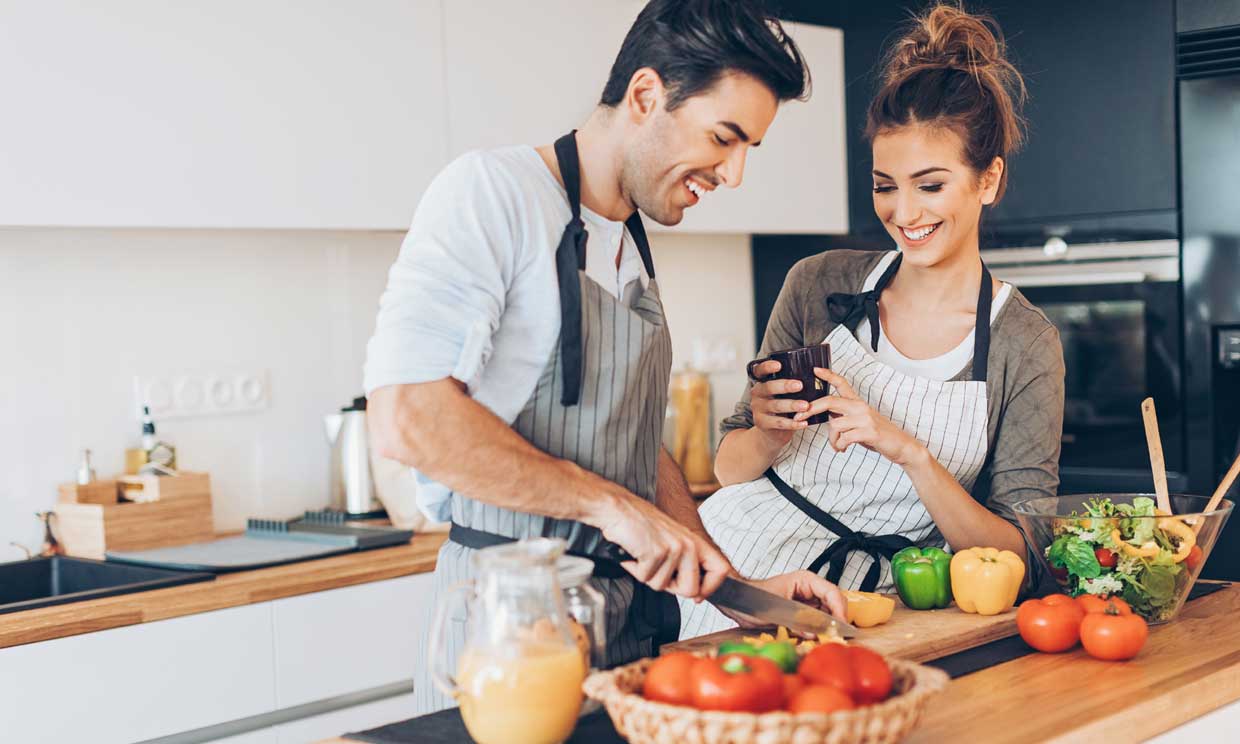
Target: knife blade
[
  {"x": 774, "y": 609},
  {"x": 758, "y": 603}
]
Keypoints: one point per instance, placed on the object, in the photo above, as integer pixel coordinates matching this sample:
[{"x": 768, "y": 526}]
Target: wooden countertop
[
  {"x": 1187, "y": 668},
  {"x": 227, "y": 590}
]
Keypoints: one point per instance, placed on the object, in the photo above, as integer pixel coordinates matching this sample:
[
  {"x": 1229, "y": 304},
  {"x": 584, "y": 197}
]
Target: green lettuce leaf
[{"x": 1079, "y": 558}]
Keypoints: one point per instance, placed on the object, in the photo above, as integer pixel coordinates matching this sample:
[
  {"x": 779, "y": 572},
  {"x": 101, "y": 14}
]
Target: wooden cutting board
[{"x": 909, "y": 634}]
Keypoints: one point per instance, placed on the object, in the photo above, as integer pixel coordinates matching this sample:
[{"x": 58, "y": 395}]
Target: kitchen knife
[
  {"x": 774, "y": 609},
  {"x": 759, "y": 604}
]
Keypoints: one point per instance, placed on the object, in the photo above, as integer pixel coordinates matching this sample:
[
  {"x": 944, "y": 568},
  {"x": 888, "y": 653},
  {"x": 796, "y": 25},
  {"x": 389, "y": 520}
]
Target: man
[{"x": 525, "y": 377}]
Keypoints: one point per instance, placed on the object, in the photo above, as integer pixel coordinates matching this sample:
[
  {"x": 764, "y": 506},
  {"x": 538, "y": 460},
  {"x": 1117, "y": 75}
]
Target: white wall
[{"x": 83, "y": 311}]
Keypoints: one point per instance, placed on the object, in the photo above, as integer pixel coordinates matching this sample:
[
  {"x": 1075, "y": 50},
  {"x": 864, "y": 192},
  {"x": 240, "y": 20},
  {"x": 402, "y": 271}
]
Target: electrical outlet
[{"x": 183, "y": 395}]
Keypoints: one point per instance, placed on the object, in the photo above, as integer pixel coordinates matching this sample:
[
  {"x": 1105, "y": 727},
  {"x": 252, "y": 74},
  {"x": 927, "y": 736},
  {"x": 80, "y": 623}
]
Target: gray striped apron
[{"x": 599, "y": 403}]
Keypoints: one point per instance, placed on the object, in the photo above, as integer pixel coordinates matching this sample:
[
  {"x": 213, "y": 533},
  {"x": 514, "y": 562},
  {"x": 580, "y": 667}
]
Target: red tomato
[
  {"x": 736, "y": 682},
  {"x": 1091, "y": 604},
  {"x": 828, "y": 665},
  {"x": 792, "y": 685},
  {"x": 871, "y": 676},
  {"x": 668, "y": 679},
  {"x": 1194, "y": 558},
  {"x": 857, "y": 671},
  {"x": 1106, "y": 558},
  {"x": 1113, "y": 636},
  {"x": 820, "y": 699},
  {"x": 1051, "y": 624}
]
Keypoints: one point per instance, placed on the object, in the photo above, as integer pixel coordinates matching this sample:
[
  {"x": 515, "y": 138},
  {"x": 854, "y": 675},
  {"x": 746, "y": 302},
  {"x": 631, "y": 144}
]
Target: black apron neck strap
[
  {"x": 570, "y": 171},
  {"x": 981, "y": 334},
  {"x": 638, "y": 231},
  {"x": 570, "y": 258}
]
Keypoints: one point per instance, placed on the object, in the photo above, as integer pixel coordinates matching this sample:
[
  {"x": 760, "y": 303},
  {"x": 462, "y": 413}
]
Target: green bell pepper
[
  {"x": 923, "y": 577},
  {"x": 737, "y": 647},
  {"x": 784, "y": 655}
]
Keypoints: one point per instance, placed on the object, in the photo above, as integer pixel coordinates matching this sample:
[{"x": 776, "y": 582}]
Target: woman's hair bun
[{"x": 950, "y": 68}]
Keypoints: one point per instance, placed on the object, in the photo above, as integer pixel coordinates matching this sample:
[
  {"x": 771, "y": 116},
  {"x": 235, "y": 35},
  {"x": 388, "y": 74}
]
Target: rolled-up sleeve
[
  {"x": 445, "y": 292},
  {"x": 1025, "y": 463}
]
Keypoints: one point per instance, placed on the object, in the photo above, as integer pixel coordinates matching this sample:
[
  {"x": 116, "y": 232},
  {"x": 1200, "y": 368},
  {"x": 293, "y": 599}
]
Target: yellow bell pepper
[
  {"x": 986, "y": 580},
  {"x": 867, "y": 609}
]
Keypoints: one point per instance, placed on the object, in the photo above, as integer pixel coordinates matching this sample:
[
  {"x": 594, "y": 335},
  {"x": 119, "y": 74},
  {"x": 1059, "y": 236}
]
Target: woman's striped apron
[{"x": 861, "y": 506}]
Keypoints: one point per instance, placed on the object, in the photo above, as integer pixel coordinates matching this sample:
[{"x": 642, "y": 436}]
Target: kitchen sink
[{"x": 42, "y": 582}]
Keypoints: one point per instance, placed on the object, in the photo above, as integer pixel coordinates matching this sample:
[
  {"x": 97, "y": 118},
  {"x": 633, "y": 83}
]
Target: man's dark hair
[{"x": 693, "y": 43}]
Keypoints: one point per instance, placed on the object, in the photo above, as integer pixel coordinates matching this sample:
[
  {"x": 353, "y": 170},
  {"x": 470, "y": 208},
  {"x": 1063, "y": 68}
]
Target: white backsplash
[{"x": 83, "y": 311}]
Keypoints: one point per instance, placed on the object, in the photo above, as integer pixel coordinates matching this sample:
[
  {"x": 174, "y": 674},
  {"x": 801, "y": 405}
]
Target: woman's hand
[
  {"x": 855, "y": 422},
  {"x": 776, "y": 430}
]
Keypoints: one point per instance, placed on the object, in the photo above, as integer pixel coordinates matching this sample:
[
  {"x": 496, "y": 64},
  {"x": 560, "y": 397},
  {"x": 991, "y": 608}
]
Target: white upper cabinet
[
  {"x": 230, "y": 113},
  {"x": 527, "y": 72},
  {"x": 319, "y": 114}
]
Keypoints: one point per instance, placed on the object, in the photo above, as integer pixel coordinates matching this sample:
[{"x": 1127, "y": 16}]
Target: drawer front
[
  {"x": 350, "y": 639},
  {"x": 141, "y": 681}
]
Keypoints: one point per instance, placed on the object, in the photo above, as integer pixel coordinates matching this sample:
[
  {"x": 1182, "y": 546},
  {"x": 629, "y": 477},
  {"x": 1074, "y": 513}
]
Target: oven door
[{"x": 1119, "y": 322}]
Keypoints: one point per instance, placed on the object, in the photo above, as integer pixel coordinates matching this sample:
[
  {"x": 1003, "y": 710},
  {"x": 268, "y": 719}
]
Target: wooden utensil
[
  {"x": 1222, "y": 489},
  {"x": 1154, "y": 442}
]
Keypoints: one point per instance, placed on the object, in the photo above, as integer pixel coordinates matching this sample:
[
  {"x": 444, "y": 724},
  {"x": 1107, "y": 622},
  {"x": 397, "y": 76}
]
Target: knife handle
[{"x": 614, "y": 552}]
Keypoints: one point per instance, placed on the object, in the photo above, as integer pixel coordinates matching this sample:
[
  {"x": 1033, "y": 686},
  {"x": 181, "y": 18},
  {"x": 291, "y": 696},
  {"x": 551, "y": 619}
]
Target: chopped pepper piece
[
  {"x": 867, "y": 609},
  {"x": 923, "y": 577}
]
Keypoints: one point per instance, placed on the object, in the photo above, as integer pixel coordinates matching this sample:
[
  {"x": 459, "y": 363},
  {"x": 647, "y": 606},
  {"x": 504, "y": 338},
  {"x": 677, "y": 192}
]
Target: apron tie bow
[
  {"x": 848, "y": 310},
  {"x": 877, "y": 547}
]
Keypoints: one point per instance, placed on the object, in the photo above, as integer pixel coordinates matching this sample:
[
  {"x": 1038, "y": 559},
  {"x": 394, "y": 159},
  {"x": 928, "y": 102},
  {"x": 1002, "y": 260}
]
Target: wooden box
[
  {"x": 87, "y": 530},
  {"x": 98, "y": 492},
  {"x": 164, "y": 487}
]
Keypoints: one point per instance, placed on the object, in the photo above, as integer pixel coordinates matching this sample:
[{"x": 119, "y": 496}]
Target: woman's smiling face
[{"x": 927, "y": 197}]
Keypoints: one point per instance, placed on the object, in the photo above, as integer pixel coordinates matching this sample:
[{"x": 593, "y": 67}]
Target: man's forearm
[
  {"x": 452, "y": 439},
  {"x": 673, "y": 497}
]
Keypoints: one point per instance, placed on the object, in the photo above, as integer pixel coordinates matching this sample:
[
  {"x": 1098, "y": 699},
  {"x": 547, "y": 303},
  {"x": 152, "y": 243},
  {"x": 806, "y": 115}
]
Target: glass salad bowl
[{"x": 1117, "y": 544}]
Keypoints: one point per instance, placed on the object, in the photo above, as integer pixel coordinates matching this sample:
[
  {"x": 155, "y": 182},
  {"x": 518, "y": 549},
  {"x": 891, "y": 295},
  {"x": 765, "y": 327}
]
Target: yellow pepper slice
[
  {"x": 986, "y": 580},
  {"x": 867, "y": 609},
  {"x": 1175, "y": 526},
  {"x": 1148, "y": 550}
]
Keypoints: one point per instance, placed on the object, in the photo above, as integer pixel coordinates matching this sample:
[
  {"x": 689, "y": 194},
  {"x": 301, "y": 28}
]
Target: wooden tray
[{"x": 909, "y": 634}]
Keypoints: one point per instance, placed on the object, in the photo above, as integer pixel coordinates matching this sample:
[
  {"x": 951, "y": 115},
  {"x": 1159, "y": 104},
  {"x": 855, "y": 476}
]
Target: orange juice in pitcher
[
  {"x": 529, "y": 694},
  {"x": 518, "y": 678}
]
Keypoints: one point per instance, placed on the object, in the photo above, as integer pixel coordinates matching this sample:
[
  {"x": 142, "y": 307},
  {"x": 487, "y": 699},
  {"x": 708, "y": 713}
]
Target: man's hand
[
  {"x": 670, "y": 557},
  {"x": 802, "y": 586}
]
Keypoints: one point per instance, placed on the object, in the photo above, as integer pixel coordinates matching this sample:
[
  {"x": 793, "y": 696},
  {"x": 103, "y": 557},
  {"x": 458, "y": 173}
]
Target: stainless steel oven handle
[{"x": 1073, "y": 279}]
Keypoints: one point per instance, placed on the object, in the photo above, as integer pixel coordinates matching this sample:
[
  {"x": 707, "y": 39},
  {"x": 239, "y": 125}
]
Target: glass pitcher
[{"x": 518, "y": 677}]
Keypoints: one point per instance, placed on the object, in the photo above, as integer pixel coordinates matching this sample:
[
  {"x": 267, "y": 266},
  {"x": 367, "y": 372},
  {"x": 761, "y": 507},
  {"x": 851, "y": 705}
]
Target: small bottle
[{"x": 157, "y": 452}]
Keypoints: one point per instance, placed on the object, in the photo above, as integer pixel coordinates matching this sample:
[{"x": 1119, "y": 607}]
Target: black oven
[{"x": 1117, "y": 308}]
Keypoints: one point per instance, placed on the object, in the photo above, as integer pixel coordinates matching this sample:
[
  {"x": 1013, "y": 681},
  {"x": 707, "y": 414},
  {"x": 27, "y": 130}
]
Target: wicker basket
[{"x": 642, "y": 721}]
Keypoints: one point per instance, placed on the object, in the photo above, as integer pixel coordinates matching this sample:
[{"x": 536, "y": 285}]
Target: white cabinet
[
  {"x": 535, "y": 70},
  {"x": 355, "y": 638},
  {"x": 157, "y": 679},
  {"x": 319, "y": 114},
  {"x": 527, "y": 72},
  {"x": 231, "y": 113},
  {"x": 141, "y": 681}
]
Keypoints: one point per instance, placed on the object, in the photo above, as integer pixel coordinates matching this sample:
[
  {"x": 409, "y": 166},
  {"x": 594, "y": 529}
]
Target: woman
[{"x": 948, "y": 384}]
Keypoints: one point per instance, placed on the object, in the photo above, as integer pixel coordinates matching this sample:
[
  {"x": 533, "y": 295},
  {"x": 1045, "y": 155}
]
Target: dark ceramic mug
[{"x": 799, "y": 364}]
